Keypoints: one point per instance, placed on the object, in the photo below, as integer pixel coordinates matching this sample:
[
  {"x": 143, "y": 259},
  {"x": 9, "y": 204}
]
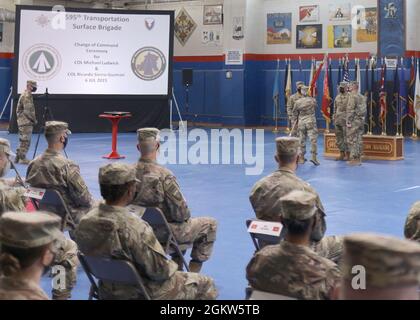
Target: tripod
[
  {"x": 46, "y": 116},
  {"x": 173, "y": 99}
]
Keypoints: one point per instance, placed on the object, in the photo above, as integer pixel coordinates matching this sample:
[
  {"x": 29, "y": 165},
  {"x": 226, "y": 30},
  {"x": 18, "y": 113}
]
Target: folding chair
[
  {"x": 264, "y": 295},
  {"x": 156, "y": 219},
  {"x": 54, "y": 202},
  {"x": 261, "y": 240},
  {"x": 110, "y": 270}
]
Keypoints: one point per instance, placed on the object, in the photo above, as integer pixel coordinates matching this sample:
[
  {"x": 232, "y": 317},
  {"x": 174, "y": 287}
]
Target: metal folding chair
[
  {"x": 156, "y": 219},
  {"x": 261, "y": 240},
  {"x": 110, "y": 270},
  {"x": 54, "y": 202}
]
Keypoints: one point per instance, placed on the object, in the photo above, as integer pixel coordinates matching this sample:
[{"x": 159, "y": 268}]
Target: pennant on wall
[{"x": 391, "y": 40}]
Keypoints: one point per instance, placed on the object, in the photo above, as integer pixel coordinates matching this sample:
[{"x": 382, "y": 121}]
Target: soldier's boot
[
  {"x": 17, "y": 158},
  {"x": 314, "y": 160},
  {"x": 347, "y": 158},
  {"x": 195, "y": 266},
  {"x": 341, "y": 157},
  {"x": 354, "y": 162}
]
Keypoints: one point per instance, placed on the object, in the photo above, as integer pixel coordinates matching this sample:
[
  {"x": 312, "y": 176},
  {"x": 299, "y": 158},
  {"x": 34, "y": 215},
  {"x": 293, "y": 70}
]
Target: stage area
[{"x": 374, "y": 197}]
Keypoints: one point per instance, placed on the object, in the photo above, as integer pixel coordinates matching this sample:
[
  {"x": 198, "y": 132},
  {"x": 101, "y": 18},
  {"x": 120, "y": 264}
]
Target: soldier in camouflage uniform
[
  {"x": 26, "y": 120},
  {"x": 266, "y": 191},
  {"x": 339, "y": 117},
  {"x": 412, "y": 223},
  {"x": 159, "y": 188},
  {"x": 304, "y": 112},
  {"x": 292, "y": 268},
  {"x": 12, "y": 198},
  {"x": 52, "y": 170},
  {"x": 290, "y": 105},
  {"x": 110, "y": 230},
  {"x": 27, "y": 244},
  {"x": 355, "y": 120},
  {"x": 391, "y": 268}
]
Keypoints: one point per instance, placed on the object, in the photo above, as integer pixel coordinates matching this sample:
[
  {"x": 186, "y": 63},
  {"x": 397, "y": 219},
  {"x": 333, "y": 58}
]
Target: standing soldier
[
  {"x": 304, "y": 112},
  {"x": 291, "y": 104},
  {"x": 339, "y": 117},
  {"x": 355, "y": 119},
  {"x": 26, "y": 120}
]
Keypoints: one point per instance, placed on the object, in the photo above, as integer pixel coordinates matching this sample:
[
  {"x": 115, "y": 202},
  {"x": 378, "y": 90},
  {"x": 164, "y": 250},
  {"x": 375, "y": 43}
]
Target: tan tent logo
[{"x": 148, "y": 63}]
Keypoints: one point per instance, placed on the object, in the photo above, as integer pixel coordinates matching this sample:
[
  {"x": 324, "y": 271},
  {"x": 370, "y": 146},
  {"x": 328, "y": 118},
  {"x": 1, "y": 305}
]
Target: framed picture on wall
[
  {"x": 367, "y": 25},
  {"x": 213, "y": 14},
  {"x": 184, "y": 26},
  {"x": 339, "y": 36},
  {"x": 1, "y": 32},
  {"x": 309, "y": 36},
  {"x": 279, "y": 28},
  {"x": 309, "y": 13},
  {"x": 340, "y": 11}
]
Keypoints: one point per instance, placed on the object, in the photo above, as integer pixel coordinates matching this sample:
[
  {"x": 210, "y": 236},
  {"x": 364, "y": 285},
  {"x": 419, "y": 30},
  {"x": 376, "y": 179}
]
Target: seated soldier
[
  {"x": 51, "y": 170},
  {"x": 159, "y": 188},
  {"x": 377, "y": 267},
  {"x": 26, "y": 251},
  {"x": 13, "y": 199},
  {"x": 292, "y": 268},
  {"x": 269, "y": 189},
  {"x": 412, "y": 224},
  {"x": 110, "y": 230}
]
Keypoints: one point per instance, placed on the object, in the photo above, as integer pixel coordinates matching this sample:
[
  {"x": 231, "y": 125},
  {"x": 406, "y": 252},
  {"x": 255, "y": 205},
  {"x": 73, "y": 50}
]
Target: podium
[
  {"x": 115, "y": 118},
  {"x": 374, "y": 147}
]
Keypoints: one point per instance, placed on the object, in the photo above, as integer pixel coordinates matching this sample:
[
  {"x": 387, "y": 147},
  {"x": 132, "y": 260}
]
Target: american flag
[
  {"x": 382, "y": 95},
  {"x": 346, "y": 73}
]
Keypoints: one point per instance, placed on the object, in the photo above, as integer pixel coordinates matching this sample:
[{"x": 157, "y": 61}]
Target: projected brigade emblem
[
  {"x": 148, "y": 63},
  {"x": 41, "y": 62},
  {"x": 150, "y": 23}
]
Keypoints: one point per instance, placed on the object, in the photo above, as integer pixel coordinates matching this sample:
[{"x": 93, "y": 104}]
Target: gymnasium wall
[{"x": 246, "y": 99}]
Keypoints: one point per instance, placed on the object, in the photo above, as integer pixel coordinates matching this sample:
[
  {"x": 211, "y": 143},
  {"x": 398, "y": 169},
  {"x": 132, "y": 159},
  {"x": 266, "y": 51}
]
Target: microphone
[{"x": 46, "y": 90}]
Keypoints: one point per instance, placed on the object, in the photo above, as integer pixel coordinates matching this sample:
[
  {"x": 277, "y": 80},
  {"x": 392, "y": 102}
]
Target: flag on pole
[
  {"x": 276, "y": 89},
  {"x": 288, "y": 83},
  {"x": 326, "y": 98},
  {"x": 311, "y": 75},
  {"x": 346, "y": 73},
  {"x": 313, "y": 92},
  {"x": 402, "y": 106},
  {"x": 382, "y": 95},
  {"x": 410, "y": 112},
  {"x": 417, "y": 97},
  {"x": 358, "y": 79},
  {"x": 340, "y": 67},
  {"x": 330, "y": 82},
  {"x": 367, "y": 88}
]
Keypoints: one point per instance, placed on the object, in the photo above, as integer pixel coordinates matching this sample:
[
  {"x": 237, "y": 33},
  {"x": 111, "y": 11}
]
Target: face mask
[
  {"x": 319, "y": 229},
  {"x": 33, "y": 89},
  {"x": 5, "y": 170},
  {"x": 66, "y": 140},
  {"x": 342, "y": 90}
]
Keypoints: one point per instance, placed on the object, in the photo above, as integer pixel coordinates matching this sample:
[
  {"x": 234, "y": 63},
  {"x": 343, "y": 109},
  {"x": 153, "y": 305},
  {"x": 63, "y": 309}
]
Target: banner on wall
[
  {"x": 391, "y": 40},
  {"x": 367, "y": 25},
  {"x": 309, "y": 36},
  {"x": 184, "y": 26},
  {"x": 309, "y": 13},
  {"x": 339, "y": 36},
  {"x": 340, "y": 12},
  {"x": 238, "y": 28},
  {"x": 279, "y": 28}
]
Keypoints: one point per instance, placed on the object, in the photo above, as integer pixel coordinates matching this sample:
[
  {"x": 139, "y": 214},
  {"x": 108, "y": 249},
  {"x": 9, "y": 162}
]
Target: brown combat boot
[
  {"x": 24, "y": 161},
  {"x": 195, "y": 266},
  {"x": 341, "y": 157},
  {"x": 314, "y": 160},
  {"x": 354, "y": 162},
  {"x": 347, "y": 157}
]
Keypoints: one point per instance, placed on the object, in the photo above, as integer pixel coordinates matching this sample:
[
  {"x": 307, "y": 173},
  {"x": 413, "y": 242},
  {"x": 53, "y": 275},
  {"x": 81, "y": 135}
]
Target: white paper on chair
[
  {"x": 265, "y": 227},
  {"x": 35, "y": 193}
]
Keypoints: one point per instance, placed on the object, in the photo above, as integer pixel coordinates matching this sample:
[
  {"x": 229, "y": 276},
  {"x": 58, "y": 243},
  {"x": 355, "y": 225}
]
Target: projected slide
[{"x": 87, "y": 53}]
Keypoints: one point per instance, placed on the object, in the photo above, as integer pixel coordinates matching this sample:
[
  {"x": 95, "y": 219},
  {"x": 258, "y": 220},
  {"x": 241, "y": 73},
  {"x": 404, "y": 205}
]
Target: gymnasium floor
[{"x": 374, "y": 197}]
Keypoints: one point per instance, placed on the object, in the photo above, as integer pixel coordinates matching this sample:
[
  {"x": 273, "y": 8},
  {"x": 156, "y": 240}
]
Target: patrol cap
[
  {"x": 298, "y": 205},
  {"x": 32, "y": 83},
  {"x": 287, "y": 145},
  {"x": 5, "y": 147},
  {"x": 388, "y": 261},
  {"x": 117, "y": 173},
  {"x": 54, "y": 127},
  {"x": 353, "y": 83},
  {"x": 299, "y": 84},
  {"x": 148, "y": 135},
  {"x": 343, "y": 84},
  {"x": 29, "y": 230},
  {"x": 412, "y": 223}
]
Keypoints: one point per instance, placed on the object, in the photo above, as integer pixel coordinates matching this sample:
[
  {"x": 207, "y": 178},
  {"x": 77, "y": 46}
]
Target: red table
[{"x": 115, "y": 119}]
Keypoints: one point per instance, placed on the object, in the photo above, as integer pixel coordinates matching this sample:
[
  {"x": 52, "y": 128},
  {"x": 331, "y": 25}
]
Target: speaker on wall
[{"x": 187, "y": 77}]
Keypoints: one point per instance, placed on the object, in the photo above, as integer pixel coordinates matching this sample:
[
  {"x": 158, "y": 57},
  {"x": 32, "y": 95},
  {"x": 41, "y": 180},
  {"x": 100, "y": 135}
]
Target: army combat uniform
[
  {"x": 355, "y": 119},
  {"x": 51, "y": 170},
  {"x": 25, "y": 231},
  {"x": 159, "y": 188},
  {"x": 294, "y": 270},
  {"x": 26, "y": 120},
  {"x": 412, "y": 223},
  {"x": 340, "y": 114},
  {"x": 113, "y": 231},
  {"x": 290, "y": 106},
  {"x": 304, "y": 112}
]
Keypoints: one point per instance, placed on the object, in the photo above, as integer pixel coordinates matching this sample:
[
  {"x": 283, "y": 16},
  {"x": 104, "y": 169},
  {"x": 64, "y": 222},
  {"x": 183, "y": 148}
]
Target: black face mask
[
  {"x": 66, "y": 140},
  {"x": 33, "y": 89},
  {"x": 342, "y": 90}
]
